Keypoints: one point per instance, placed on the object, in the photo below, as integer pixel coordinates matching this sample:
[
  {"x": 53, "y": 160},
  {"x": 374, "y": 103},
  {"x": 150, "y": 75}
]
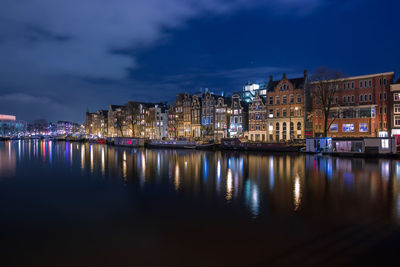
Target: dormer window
[{"x": 284, "y": 87}]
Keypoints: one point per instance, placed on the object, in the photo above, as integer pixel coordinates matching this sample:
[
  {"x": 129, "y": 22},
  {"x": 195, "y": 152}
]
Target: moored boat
[
  {"x": 171, "y": 144},
  {"x": 237, "y": 144}
]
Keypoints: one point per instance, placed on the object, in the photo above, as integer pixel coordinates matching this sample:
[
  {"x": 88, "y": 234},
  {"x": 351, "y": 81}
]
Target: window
[
  {"x": 352, "y": 85},
  {"x": 384, "y": 95},
  {"x": 380, "y": 82},
  {"x": 344, "y": 99},
  {"x": 385, "y": 109},
  {"x": 348, "y": 127},
  {"x": 284, "y": 113},
  {"x": 284, "y": 131},
  {"x": 360, "y": 84},
  {"x": 284, "y": 100},
  {"x": 277, "y": 131},
  {"x": 271, "y": 100},
  {"x": 299, "y": 126},
  {"x": 333, "y": 128},
  {"x": 397, "y": 96},
  {"x": 298, "y": 98},
  {"x": 363, "y": 127},
  {"x": 291, "y": 112},
  {"x": 384, "y": 81},
  {"x": 370, "y": 97},
  {"x": 277, "y": 112},
  {"x": 396, "y": 108},
  {"x": 365, "y": 84},
  {"x": 370, "y": 83},
  {"x": 277, "y": 102},
  {"x": 291, "y": 99},
  {"x": 271, "y": 113},
  {"x": 352, "y": 98},
  {"x": 361, "y": 98},
  {"x": 365, "y": 97},
  {"x": 385, "y": 143},
  {"x": 380, "y": 96},
  {"x": 348, "y": 99},
  {"x": 397, "y": 120}
]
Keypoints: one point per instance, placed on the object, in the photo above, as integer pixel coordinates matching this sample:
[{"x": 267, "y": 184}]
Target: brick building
[
  {"x": 395, "y": 118},
  {"x": 287, "y": 106},
  {"x": 258, "y": 119},
  {"x": 361, "y": 107}
]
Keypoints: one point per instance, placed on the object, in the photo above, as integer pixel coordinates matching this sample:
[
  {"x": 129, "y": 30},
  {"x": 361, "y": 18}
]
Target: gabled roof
[{"x": 297, "y": 83}]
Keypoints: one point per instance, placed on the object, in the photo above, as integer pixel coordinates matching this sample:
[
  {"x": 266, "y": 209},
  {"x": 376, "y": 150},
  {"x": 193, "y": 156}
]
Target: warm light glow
[
  {"x": 297, "y": 192},
  {"x": 176, "y": 180},
  {"x": 229, "y": 186},
  {"x": 103, "y": 164}
]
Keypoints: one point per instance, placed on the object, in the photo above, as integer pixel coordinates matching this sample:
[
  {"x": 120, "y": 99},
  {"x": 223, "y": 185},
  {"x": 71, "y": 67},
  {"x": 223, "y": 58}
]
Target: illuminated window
[
  {"x": 385, "y": 143},
  {"x": 397, "y": 96},
  {"x": 348, "y": 127},
  {"x": 363, "y": 127},
  {"x": 333, "y": 128},
  {"x": 397, "y": 120},
  {"x": 396, "y": 108}
]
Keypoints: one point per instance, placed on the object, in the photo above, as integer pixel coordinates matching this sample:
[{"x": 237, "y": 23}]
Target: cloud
[
  {"x": 51, "y": 47},
  {"x": 25, "y": 98}
]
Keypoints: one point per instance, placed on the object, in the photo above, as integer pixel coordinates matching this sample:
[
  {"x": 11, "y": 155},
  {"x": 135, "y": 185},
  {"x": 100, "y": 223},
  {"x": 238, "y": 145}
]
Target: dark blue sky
[{"x": 60, "y": 57}]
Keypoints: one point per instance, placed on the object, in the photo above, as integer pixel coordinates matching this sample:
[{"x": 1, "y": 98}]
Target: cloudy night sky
[{"x": 59, "y": 57}]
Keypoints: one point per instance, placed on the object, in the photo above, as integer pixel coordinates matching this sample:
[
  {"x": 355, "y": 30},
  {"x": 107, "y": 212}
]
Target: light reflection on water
[{"x": 259, "y": 182}]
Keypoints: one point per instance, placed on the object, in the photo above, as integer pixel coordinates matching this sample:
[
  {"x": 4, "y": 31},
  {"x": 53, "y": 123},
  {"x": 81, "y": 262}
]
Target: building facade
[
  {"x": 208, "y": 103},
  {"x": 361, "y": 107},
  {"x": 222, "y": 117},
  {"x": 196, "y": 117},
  {"x": 287, "y": 108},
  {"x": 239, "y": 120},
  {"x": 172, "y": 130},
  {"x": 395, "y": 118},
  {"x": 97, "y": 123},
  {"x": 117, "y": 122},
  {"x": 187, "y": 115},
  {"x": 179, "y": 120},
  {"x": 10, "y": 126},
  {"x": 258, "y": 120},
  {"x": 161, "y": 113}
]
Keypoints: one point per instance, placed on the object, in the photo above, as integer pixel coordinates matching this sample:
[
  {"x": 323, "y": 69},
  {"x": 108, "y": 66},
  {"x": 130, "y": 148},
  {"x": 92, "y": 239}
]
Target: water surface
[{"x": 73, "y": 204}]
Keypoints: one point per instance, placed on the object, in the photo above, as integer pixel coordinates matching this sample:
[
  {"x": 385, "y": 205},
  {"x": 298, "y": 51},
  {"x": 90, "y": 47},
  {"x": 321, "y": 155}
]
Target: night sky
[{"x": 59, "y": 57}]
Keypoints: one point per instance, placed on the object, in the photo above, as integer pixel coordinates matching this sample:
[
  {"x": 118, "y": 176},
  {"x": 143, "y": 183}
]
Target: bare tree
[
  {"x": 131, "y": 116},
  {"x": 120, "y": 123},
  {"x": 325, "y": 85}
]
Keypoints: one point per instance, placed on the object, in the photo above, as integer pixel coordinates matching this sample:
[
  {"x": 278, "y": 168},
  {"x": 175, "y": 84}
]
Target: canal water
[{"x": 74, "y": 204}]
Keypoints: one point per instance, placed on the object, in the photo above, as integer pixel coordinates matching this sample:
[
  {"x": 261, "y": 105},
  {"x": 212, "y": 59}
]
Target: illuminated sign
[{"x": 7, "y": 117}]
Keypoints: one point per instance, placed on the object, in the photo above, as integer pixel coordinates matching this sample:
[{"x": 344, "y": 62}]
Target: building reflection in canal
[{"x": 262, "y": 183}]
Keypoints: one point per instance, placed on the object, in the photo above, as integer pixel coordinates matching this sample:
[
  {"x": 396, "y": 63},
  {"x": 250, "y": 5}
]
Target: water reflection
[
  {"x": 261, "y": 183},
  {"x": 8, "y": 160}
]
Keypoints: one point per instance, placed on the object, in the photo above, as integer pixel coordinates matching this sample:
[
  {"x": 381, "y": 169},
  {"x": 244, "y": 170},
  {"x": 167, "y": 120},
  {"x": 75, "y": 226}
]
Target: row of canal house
[
  {"x": 134, "y": 119},
  {"x": 207, "y": 116},
  {"x": 276, "y": 110}
]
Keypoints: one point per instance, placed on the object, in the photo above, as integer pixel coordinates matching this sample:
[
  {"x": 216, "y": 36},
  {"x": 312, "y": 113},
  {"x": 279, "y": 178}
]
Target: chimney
[
  {"x": 284, "y": 76},
  {"x": 305, "y": 74},
  {"x": 271, "y": 78}
]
